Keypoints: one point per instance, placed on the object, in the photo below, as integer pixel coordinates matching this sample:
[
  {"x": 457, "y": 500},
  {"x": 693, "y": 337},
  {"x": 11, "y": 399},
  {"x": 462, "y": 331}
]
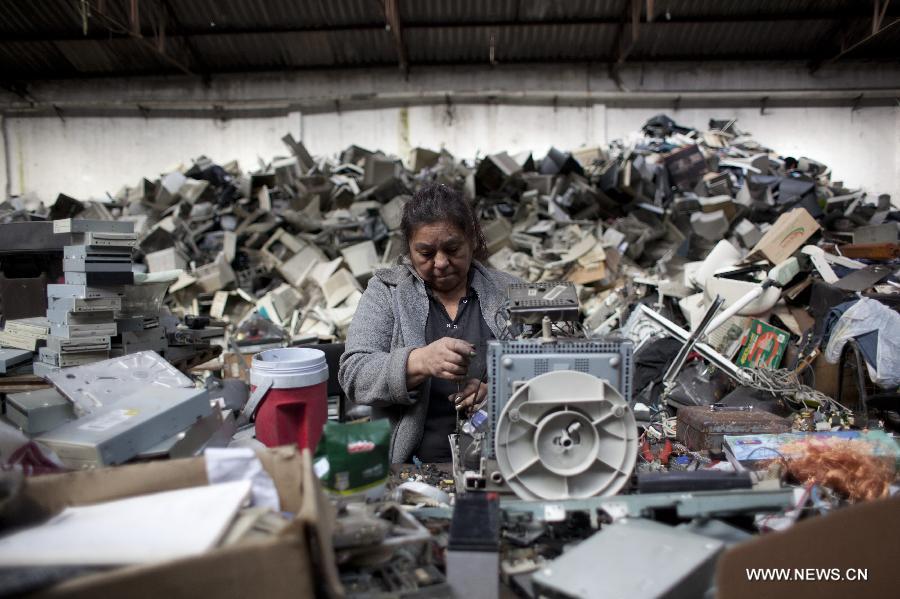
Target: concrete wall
[
  {"x": 89, "y": 156},
  {"x": 89, "y": 138},
  {"x": 465, "y": 130}
]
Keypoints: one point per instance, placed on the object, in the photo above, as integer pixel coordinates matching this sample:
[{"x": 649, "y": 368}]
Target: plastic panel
[
  {"x": 566, "y": 435},
  {"x": 606, "y": 359}
]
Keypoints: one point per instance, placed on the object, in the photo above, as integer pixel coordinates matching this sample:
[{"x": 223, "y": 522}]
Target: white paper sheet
[
  {"x": 149, "y": 528},
  {"x": 240, "y": 463}
]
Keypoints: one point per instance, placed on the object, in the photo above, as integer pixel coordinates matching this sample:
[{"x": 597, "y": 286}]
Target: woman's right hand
[{"x": 446, "y": 358}]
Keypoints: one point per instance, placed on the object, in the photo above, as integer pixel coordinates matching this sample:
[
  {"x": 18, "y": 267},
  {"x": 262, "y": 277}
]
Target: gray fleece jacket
[{"x": 389, "y": 323}]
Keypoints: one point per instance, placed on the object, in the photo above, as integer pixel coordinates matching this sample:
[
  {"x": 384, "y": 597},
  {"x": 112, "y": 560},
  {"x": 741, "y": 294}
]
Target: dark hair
[{"x": 436, "y": 203}]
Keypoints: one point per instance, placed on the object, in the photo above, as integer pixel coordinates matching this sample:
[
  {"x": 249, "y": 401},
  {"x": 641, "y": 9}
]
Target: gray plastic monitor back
[{"x": 511, "y": 363}]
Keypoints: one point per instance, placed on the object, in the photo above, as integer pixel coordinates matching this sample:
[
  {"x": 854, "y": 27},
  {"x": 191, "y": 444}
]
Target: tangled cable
[
  {"x": 661, "y": 426},
  {"x": 785, "y": 383}
]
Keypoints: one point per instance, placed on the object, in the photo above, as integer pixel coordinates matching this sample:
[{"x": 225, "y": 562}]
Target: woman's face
[{"x": 441, "y": 255}]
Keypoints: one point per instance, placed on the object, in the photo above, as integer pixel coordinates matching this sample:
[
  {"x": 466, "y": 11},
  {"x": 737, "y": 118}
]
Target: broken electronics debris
[{"x": 687, "y": 296}]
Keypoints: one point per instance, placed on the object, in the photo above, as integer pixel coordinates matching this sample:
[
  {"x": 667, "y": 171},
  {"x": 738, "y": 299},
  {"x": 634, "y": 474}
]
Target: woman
[{"x": 416, "y": 348}]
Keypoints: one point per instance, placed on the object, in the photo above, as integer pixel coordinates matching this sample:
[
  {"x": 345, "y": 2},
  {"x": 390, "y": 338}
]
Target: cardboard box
[
  {"x": 787, "y": 235},
  {"x": 297, "y": 563},
  {"x": 763, "y": 346},
  {"x": 857, "y": 536}
]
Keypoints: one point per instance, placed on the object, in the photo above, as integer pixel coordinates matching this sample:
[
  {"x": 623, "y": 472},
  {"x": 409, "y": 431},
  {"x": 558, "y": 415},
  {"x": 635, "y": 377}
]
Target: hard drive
[
  {"x": 136, "y": 324},
  {"x": 68, "y": 359},
  {"x": 79, "y": 344},
  {"x": 124, "y": 428},
  {"x": 83, "y": 225},
  {"x": 102, "y": 266},
  {"x": 66, "y": 317},
  {"x": 77, "y": 304},
  {"x": 99, "y": 239},
  {"x": 36, "y": 412},
  {"x": 84, "y": 252},
  {"x": 95, "y": 385},
  {"x": 10, "y": 358},
  {"x": 99, "y": 279},
  {"x": 81, "y": 291},
  {"x": 71, "y": 331},
  {"x": 146, "y": 340}
]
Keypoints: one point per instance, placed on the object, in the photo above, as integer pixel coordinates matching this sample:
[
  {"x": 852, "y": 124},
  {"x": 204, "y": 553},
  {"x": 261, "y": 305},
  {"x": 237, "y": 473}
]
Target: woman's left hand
[{"x": 472, "y": 396}]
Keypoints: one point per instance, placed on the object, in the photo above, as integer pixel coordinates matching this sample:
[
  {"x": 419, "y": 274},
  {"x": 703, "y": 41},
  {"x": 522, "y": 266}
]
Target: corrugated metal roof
[
  {"x": 44, "y": 39},
  {"x": 753, "y": 39},
  {"x": 511, "y": 44},
  {"x": 52, "y": 17},
  {"x": 297, "y": 50},
  {"x": 276, "y": 14},
  {"x": 112, "y": 56},
  {"x": 480, "y": 11},
  {"x": 28, "y": 60},
  {"x": 679, "y": 9},
  {"x": 541, "y": 10}
]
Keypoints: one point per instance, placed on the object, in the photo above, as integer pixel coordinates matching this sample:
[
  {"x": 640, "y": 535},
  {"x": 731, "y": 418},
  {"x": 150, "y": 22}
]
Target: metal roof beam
[
  {"x": 132, "y": 30},
  {"x": 392, "y": 20},
  {"x": 181, "y": 31},
  {"x": 880, "y": 8},
  {"x": 622, "y": 48},
  {"x": 176, "y": 26}
]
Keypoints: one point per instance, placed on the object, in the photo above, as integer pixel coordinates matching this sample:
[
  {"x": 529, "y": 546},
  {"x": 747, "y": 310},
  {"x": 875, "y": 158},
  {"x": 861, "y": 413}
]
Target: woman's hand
[
  {"x": 446, "y": 358},
  {"x": 472, "y": 396}
]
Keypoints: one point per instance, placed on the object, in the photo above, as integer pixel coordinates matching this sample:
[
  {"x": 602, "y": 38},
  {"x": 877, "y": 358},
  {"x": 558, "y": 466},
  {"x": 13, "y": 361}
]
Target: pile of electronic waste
[
  {"x": 702, "y": 324},
  {"x": 564, "y": 466}
]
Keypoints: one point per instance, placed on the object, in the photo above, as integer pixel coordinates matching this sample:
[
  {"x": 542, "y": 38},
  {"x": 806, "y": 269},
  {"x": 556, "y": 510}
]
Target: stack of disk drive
[
  {"x": 81, "y": 312},
  {"x": 138, "y": 322}
]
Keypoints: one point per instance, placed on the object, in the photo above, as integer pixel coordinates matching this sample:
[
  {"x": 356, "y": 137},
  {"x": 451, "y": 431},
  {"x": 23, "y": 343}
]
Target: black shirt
[{"x": 470, "y": 326}]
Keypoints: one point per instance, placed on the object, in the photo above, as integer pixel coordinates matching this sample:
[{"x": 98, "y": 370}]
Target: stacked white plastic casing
[{"x": 81, "y": 312}]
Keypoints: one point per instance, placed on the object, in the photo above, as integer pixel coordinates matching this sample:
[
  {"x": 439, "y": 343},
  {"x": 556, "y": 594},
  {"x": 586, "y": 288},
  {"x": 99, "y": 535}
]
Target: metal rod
[
  {"x": 717, "y": 359},
  {"x": 685, "y": 350}
]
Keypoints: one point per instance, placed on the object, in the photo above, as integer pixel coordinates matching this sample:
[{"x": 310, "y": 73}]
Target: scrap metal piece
[
  {"x": 9, "y": 358},
  {"x": 38, "y": 411},
  {"x": 681, "y": 356},
  {"x": 673, "y": 562},
  {"x": 95, "y": 385},
  {"x": 699, "y": 504},
  {"x": 121, "y": 429},
  {"x": 706, "y": 351},
  {"x": 528, "y": 303}
]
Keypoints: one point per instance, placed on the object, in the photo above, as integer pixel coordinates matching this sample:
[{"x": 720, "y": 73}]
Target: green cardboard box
[{"x": 763, "y": 346}]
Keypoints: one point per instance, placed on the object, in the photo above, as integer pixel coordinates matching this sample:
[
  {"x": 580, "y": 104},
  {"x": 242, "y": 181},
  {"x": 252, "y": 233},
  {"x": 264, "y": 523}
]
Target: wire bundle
[{"x": 785, "y": 383}]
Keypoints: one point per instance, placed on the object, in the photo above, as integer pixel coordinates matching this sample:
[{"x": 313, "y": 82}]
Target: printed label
[
  {"x": 107, "y": 421},
  {"x": 555, "y": 292},
  {"x": 360, "y": 447}
]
